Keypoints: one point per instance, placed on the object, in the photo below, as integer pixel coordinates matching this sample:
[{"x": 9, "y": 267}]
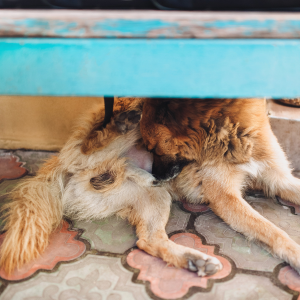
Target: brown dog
[
  {"x": 217, "y": 148},
  {"x": 99, "y": 172},
  {"x": 209, "y": 151}
]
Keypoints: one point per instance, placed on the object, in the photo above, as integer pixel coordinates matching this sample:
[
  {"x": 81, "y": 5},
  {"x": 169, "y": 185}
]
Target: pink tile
[
  {"x": 62, "y": 247},
  {"x": 276, "y": 109},
  {"x": 195, "y": 207},
  {"x": 10, "y": 168},
  {"x": 288, "y": 203},
  {"x": 288, "y": 276},
  {"x": 167, "y": 281}
]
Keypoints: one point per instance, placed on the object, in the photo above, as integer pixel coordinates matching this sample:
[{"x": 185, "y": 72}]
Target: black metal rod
[{"x": 108, "y": 104}]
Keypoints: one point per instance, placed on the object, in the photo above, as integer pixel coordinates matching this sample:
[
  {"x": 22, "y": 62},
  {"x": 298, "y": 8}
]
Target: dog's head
[{"x": 170, "y": 134}]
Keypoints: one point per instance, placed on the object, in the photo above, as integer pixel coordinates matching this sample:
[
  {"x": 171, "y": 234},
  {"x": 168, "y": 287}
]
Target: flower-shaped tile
[
  {"x": 244, "y": 287},
  {"x": 247, "y": 254},
  {"x": 178, "y": 219},
  {"x": 5, "y": 187},
  {"x": 195, "y": 207},
  {"x": 288, "y": 203},
  {"x": 288, "y": 276},
  {"x": 62, "y": 247},
  {"x": 111, "y": 234},
  {"x": 170, "y": 282},
  {"x": 116, "y": 235},
  {"x": 33, "y": 160},
  {"x": 91, "y": 278},
  {"x": 10, "y": 167}
]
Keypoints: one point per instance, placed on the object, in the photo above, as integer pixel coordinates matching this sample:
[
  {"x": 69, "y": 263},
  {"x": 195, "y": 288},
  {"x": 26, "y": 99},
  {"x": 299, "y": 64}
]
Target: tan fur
[
  {"x": 230, "y": 146},
  {"x": 65, "y": 185},
  {"x": 221, "y": 148},
  {"x": 33, "y": 214}
]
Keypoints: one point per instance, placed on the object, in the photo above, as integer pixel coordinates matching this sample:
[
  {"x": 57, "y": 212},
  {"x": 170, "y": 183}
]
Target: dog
[
  {"x": 210, "y": 151},
  {"x": 207, "y": 151}
]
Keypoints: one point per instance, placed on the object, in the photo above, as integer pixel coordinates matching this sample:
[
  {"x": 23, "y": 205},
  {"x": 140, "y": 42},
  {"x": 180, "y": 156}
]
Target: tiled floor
[{"x": 99, "y": 260}]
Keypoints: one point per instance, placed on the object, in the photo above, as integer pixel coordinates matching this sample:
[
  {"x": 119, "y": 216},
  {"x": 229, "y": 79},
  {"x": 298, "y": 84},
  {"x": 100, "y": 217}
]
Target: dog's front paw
[
  {"x": 204, "y": 267},
  {"x": 127, "y": 120}
]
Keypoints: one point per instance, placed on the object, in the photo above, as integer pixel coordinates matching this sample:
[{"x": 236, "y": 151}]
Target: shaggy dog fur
[
  {"x": 205, "y": 151},
  {"x": 217, "y": 148}
]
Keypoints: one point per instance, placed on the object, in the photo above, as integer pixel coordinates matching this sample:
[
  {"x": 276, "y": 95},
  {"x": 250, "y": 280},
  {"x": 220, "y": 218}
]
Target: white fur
[{"x": 253, "y": 168}]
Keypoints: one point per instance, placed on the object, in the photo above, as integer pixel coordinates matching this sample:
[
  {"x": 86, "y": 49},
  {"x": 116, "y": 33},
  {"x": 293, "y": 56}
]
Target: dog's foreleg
[
  {"x": 226, "y": 201},
  {"x": 150, "y": 217},
  {"x": 34, "y": 212}
]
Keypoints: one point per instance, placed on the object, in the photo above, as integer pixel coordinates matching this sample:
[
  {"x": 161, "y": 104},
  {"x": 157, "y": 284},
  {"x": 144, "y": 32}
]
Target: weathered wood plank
[
  {"x": 147, "y": 24},
  {"x": 143, "y": 67}
]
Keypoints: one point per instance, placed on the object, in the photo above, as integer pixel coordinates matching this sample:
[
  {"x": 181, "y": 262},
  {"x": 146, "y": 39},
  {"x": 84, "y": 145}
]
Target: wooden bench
[{"x": 149, "y": 53}]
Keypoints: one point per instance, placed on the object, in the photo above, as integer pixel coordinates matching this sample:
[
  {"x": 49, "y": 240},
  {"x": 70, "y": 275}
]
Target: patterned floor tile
[
  {"x": 62, "y": 247},
  {"x": 279, "y": 215},
  {"x": 101, "y": 277},
  {"x": 10, "y": 167},
  {"x": 246, "y": 254},
  {"x": 288, "y": 276},
  {"x": 112, "y": 234},
  {"x": 167, "y": 281},
  {"x": 5, "y": 187},
  {"x": 288, "y": 203},
  {"x": 33, "y": 159},
  {"x": 178, "y": 219},
  {"x": 255, "y": 193},
  {"x": 116, "y": 235},
  {"x": 195, "y": 207},
  {"x": 244, "y": 287},
  {"x": 91, "y": 278}
]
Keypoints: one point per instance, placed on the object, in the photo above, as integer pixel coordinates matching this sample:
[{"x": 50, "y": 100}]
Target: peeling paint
[{"x": 152, "y": 25}]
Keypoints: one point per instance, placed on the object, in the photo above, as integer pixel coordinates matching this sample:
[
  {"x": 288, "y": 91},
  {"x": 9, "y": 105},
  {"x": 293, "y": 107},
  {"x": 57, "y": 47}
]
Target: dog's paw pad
[
  {"x": 127, "y": 120},
  {"x": 205, "y": 267}
]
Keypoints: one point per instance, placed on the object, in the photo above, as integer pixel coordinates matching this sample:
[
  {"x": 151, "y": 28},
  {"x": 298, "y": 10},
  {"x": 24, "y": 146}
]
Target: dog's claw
[{"x": 201, "y": 273}]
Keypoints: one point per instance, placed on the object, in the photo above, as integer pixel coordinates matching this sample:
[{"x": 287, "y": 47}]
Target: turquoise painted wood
[
  {"x": 141, "y": 67},
  {"x": 148, "y": 24}
]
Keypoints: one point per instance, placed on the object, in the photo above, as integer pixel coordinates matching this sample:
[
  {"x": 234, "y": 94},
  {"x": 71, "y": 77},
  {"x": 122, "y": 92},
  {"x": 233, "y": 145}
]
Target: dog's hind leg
[
  {"x": 274, "y": 174},
  {"x": 150, "y": 217},
  {"x": 222, "y": 192},
  {"x": 34, "y": 212}
]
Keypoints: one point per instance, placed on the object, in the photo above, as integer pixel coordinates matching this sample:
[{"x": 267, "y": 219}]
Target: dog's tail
[{"x": 34, "y": 212}]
